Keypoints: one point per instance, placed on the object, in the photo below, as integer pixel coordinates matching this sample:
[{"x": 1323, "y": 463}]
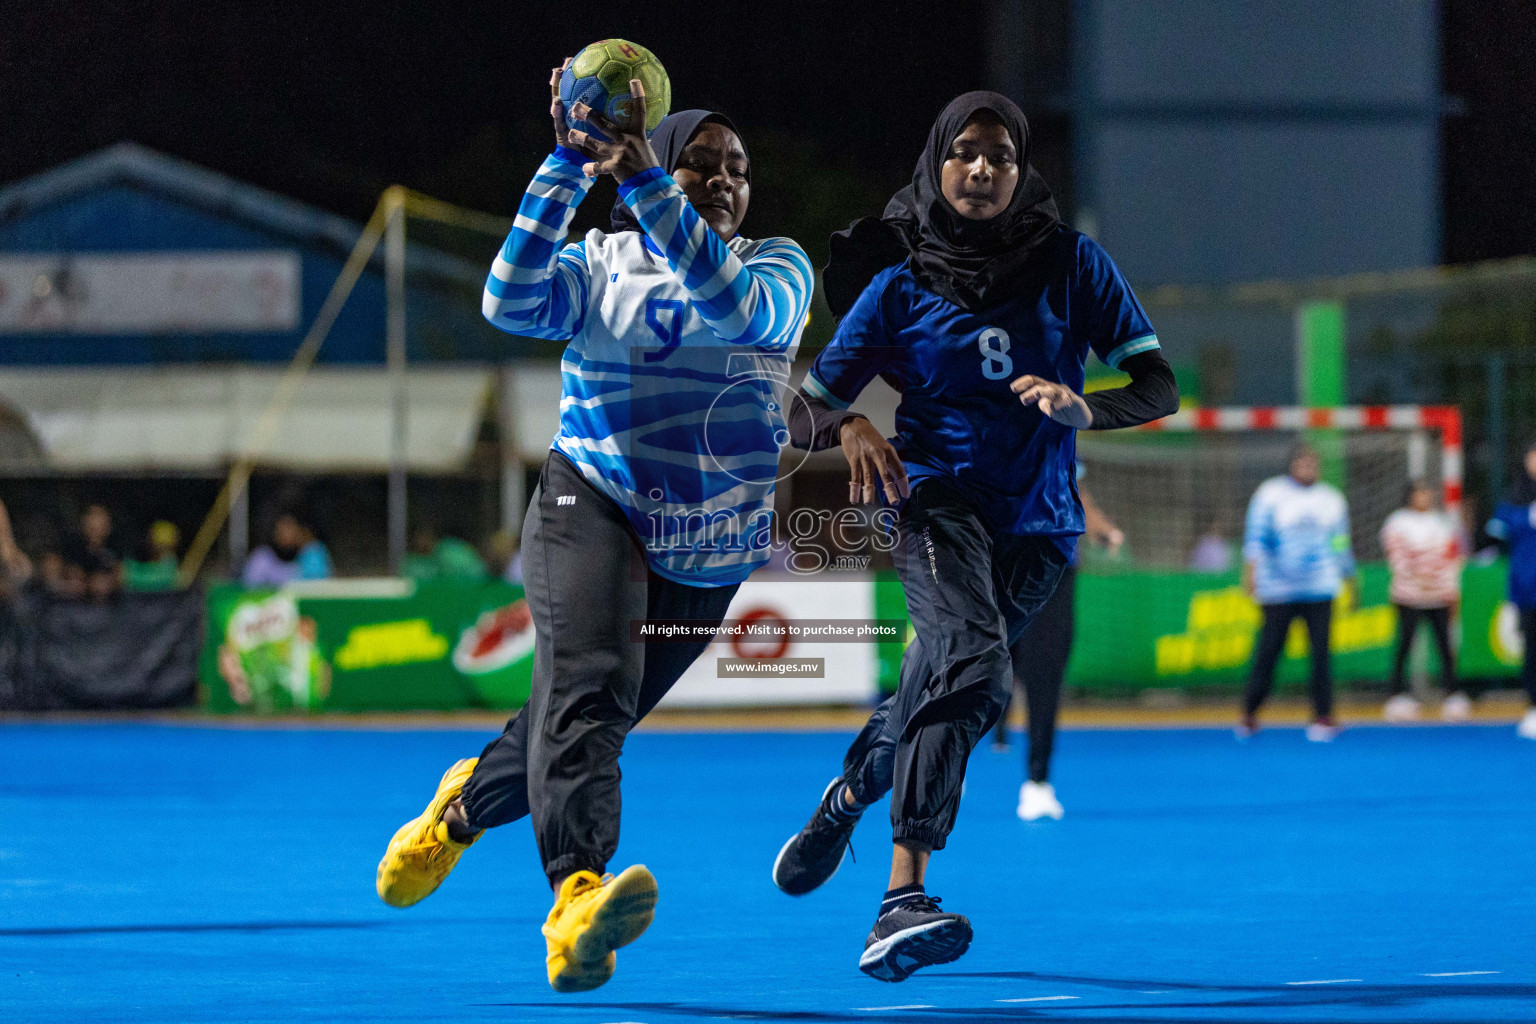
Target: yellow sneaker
[
  {"x": 591, "y": 918},
  {"x": 420, "y": 855}
]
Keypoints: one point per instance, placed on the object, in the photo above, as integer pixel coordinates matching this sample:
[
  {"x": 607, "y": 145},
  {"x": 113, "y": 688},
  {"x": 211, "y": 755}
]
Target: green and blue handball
[{"x": 599, "y": 76}]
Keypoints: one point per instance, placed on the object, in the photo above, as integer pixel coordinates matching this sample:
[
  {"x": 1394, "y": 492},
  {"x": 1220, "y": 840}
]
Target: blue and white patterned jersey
[
  {"x": 1297, "y": 538},
  {"x": 680, "y": 348}
]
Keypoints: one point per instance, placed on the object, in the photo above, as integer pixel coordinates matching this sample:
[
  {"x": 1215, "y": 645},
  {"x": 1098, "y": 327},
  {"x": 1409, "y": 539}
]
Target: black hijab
[
  {"x": 968, "y": 262},
  {"x": 669, "y": 140}
]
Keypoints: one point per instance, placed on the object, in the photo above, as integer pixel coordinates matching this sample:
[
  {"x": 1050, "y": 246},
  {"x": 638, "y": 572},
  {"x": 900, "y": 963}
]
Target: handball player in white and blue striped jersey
[{"x": 655, "y": 503}]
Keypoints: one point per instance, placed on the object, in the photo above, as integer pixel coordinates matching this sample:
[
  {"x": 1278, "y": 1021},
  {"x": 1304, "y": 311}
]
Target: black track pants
[
  {"x": 1439, "y": 619},
  {"x": 1318, "y": 615},
  {"x": 1040, "y": 666},
  {"x": 970, "y": 594},
  {"x": 586, "y": 578}
]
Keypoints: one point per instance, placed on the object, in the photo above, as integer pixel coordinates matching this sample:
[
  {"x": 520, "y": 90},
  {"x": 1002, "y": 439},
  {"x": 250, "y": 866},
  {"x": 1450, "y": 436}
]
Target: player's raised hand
[
  {"x": 630, "y": 151},
  {"x": 871, "y": 459},
  {"x": 556, "y": 107},
  {"x": 1057, "y": 401}
]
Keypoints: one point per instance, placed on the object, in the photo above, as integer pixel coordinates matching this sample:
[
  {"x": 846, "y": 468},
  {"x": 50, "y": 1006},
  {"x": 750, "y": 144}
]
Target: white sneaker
[
  {"x": 1457, "y": 707},
  {"x": 1322, "y": 731},
  {"x": 1038, "y": 800},
  {"x": 1527, "y": 726},
  {"x": 1400, "y": 707}
]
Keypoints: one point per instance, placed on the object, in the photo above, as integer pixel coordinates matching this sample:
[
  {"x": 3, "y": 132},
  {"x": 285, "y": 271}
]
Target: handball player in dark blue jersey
[{"x": 981, "y": 311}]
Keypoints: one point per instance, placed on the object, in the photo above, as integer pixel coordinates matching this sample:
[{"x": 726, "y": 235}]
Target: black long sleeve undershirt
[
  {"x": 1151, "y": 394},
  {"x": 816, "y": 425}
]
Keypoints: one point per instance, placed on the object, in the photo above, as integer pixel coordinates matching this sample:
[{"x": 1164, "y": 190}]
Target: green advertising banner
[
  {"x": 1141, "y": 630},
  {"x": 350, "y": 646},
  {"x": 327, "y": 646}
]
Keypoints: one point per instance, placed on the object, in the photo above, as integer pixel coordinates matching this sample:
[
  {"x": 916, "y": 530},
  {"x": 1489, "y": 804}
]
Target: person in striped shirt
[
  {"x": 655, "y": 502},
  {"x": 1425, "y": 552}
]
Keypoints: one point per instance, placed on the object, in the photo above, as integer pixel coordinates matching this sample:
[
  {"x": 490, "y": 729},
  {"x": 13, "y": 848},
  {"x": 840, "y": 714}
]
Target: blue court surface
[{"x": 171, "y": 873}]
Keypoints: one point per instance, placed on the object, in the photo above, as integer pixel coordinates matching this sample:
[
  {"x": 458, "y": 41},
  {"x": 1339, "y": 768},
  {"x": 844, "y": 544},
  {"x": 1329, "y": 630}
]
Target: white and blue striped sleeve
[
  {"x": 538, "y": 285},
  {"x": 762, "y": 302}
]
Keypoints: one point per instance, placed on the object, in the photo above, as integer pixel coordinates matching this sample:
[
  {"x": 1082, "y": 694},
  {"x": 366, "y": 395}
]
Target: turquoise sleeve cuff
[
  {"x": 813, "y": 386},
  {"x": 1136, "y": 346},
  {"x": 569, "y": 155}
]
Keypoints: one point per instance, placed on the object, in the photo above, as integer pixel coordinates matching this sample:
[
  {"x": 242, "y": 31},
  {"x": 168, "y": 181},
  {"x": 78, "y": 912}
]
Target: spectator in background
[
  {"x": 158, "y": 569},
  {"x": 434, "y": 557},
  {"x": 47, "y": 549},
  {"x": 1514, "y": 522},
  {"x": 70, "y": 582},
  {"x": 92, "y": 567},
  {"x": 15, "y": 566},
  {"x": 1425, "y": 553},
  {"x": 96, "y": 528},
  {"x": 50, "y": 563},
  {"x": 103, "y": 576},
  {"x": 1214, "y": 551},
  {"x": 1296, "y": 557},
  {"x": 89, "y": 567},
  {"x": 294, "y": 554}
]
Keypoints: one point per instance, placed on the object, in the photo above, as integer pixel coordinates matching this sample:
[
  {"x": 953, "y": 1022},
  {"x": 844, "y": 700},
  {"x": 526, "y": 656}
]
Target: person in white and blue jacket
[
  {"x": 972, "y": 299},
  {"x": 1514, "y": 522},
  {"x": 1296, "y": 558},
  {"x": 655, "y": 502}
]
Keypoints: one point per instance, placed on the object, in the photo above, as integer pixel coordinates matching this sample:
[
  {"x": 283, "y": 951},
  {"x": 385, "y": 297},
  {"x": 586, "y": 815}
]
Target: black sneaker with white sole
[
  {"x": 914, "y": 935},
  {"x": 814, "y": 854}
]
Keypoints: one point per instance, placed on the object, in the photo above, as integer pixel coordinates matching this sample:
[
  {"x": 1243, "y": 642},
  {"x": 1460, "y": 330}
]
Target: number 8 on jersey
[{"x": 996, "y": 363}]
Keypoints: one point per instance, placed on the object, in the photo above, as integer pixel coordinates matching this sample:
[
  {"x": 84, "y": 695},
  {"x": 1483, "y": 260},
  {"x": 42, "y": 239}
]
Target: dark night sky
[
  {"x": 333, "y": 101},
  {"x": 329, "y": 102},
  {"x": 1489, "y": 147}
]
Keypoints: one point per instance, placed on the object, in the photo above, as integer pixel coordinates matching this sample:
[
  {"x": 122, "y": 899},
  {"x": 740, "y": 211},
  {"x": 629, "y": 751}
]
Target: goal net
[{"x": 1180, "y": 488}]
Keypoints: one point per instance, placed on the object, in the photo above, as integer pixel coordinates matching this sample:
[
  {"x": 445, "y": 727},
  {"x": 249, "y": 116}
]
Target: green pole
[{"x": 1320, "y": 376}]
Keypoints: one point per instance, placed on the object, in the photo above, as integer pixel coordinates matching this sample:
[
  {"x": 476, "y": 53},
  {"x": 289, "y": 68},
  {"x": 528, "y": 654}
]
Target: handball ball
[{"x": 599, "y": 77}]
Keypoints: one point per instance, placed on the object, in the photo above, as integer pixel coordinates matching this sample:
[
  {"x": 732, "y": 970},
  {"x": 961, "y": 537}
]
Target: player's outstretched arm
[
  {"x": 816, "y": 424},
  {"x": 538, "y": 284},
  {"x": 1152, "y": 394}
]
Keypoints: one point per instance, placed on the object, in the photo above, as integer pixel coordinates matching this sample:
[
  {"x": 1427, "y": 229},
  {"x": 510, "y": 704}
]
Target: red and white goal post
[{"x": 1445, "y": 420}]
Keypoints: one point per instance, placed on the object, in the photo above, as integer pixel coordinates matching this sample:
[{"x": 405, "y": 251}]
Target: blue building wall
[
  {"x": 443, "y": 322},
  {"x": 1221, "y": 141}
]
